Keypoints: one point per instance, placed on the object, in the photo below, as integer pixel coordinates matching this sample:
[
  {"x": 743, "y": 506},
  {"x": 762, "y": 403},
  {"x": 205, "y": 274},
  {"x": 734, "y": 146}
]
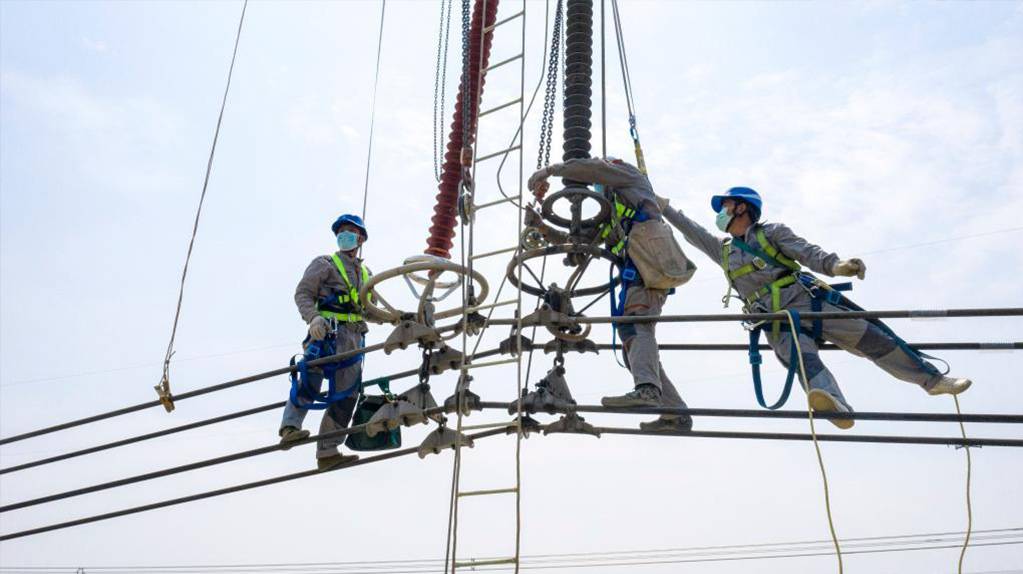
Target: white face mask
[
  {"x": 723, "y": 219},
  {"x": 347, "y": 240}
]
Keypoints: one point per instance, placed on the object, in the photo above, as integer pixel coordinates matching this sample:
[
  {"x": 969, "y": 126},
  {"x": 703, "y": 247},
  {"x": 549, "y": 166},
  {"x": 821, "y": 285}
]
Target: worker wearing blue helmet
[
  {"x": 762, "y": 264},
  {"x": 328, "y": 301}
]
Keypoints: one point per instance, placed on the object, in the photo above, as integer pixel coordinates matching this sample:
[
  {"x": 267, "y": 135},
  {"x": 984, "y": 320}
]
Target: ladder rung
[
  {"x": 503, "y": 62},
  {"x": 491, "y": 426},
  {"x": 493, "y": 562},
  {"x": 493, "y": 305},
  {"x": 505, "y": 21},
  {"x": 495, "y": 202},
  {"x": 495, "y": 154},
  {"x": 488, "y": 492},
  {"x": 492, "y": 253},
  {"x": 500, "y": 107},
  {"x": 490, "y": 364}
]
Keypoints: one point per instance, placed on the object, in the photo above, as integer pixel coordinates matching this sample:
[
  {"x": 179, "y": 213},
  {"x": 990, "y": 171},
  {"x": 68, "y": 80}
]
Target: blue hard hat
[
  {"x": 352, "y": 219},
  {"x": 747, "y": 194}
]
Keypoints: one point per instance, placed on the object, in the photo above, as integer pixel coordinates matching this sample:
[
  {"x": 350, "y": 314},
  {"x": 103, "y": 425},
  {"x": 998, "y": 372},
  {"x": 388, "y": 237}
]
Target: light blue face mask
[
  {"x": 347, "y": 240},
  {"x": 723, "y": 219}
]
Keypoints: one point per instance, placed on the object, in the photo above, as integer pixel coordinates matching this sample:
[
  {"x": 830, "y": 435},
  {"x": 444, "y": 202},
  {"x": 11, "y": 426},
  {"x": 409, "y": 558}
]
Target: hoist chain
[
  {"x": 547, "y": 123},
  {"x": 440, "y": 85},
  {"x": 424, "y": 367},
  {"x": 466, "y": 81}
]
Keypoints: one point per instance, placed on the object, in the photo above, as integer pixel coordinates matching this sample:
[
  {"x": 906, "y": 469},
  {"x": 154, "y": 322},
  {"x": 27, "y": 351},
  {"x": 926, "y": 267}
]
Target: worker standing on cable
[
  {"x": 328, "y": 301},
  {"x": 648, "y": 275},
  {"x": 761, "y": 262}
]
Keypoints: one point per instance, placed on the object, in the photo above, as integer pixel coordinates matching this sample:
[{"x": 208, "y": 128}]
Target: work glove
[
  {"x": 538, "y": 182},
  {"x": 850, "y": 267},
  {"x": 532, "y": 218},
  {"x": 318, "y": 328},
  {"x": 662, "y": 202}
]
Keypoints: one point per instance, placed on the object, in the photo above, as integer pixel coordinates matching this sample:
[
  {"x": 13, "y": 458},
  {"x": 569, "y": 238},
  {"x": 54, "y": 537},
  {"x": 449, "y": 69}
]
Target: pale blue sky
[{"x": 868, "y": 127}]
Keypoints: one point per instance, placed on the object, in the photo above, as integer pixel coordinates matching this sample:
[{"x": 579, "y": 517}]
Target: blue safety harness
[
  {"x": 302, "y": 388},
  {"x": 820, "y": 293}
]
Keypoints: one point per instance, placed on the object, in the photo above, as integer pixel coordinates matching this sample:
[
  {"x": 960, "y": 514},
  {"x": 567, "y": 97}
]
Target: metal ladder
[{"x": 515, "y": 147}]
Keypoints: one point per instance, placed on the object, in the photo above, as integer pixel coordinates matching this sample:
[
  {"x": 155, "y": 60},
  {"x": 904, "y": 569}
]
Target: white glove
[
  {"x": 850, "y": 267},
  {"x": 318, "y": 328}
]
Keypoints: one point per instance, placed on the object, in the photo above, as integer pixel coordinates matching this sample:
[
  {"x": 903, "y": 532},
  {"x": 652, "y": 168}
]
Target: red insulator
[{"x": 446, "y": 211}]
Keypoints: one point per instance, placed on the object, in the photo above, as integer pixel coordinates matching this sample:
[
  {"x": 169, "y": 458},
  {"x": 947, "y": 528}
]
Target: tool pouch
[
  {"x": 658, "y": 256},
  {"x": 369, "y": 404}
]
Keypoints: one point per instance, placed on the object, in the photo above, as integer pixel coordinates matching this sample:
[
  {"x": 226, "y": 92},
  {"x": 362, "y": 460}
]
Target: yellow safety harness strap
[{"x": 351, "y": 297}]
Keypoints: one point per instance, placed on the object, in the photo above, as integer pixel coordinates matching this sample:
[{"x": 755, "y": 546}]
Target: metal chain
[
  {"x": 424, "y": 367},
  {"x": 550, "y": 99},
  {"x": 466, "y": 81},
  {"x": 440, "y": 86}
]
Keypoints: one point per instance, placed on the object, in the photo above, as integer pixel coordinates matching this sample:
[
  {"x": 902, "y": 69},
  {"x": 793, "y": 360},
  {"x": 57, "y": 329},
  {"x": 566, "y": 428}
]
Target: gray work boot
[
  {"x": 645, "y": 395},
  {"x": 291, "y": 435},
  {"x": 825, "y": 402},
  {"x": 949, "y": 386},
  {"x": 668, "y": 424},
  {"x": 334, "y": 461}
]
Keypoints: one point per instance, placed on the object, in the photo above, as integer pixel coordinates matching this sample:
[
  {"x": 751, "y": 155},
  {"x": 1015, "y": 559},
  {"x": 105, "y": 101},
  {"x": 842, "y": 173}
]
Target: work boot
[
  {"x": 825, "y": 402},
  {"x": 335, "y": 461},
  {"x": 668, "y": 424},
  {"x": 949, "y": 386},
  {"x": 645, "y": 395},
  {"x": 290, "y": 435}
]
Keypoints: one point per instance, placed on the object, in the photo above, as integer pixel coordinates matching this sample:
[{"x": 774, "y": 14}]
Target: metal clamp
[{"x": 408, "y": 333}]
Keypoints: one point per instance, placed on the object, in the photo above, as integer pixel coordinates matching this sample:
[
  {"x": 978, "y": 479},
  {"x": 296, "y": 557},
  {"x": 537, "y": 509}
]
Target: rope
[
  {"x": 229, "y": 490},
  {"x": 816, "y": 444},
  {"x": 969, "y": 478},
  {"x": 373, "y": 108},
  {"x": 163, "y": 388}
]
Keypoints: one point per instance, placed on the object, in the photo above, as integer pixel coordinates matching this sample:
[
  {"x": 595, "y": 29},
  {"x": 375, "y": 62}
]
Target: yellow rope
[
  {"x": 969, "y": 477},
  {"x": 816, "y": 445}
]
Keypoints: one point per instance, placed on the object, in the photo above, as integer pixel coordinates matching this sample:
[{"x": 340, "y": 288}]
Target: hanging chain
[
  {"x": 466, "y": 81},
  {"x": 551, "y": 95},
  {"x": 440, "y": 86},
  {"x": 424, "y": 367}
]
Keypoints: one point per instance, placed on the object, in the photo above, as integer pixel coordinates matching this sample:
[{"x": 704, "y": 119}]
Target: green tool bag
[{"x": 368, "y": 405}]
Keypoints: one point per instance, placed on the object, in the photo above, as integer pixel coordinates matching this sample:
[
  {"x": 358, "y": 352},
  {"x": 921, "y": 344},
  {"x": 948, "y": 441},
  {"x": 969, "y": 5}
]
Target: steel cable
[{"x": 228, "y": 490}]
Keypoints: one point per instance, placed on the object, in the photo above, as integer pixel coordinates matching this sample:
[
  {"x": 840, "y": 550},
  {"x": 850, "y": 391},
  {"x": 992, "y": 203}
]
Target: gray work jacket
[
  {"x": 790, "y": 245},
  {"x": 631, "y": 185},
  {"x": 322, "y": 279}
]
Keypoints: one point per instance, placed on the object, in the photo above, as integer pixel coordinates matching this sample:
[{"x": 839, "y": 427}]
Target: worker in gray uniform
[
  {"x": 634, "y": 200},
  {"x": 761, "y": 262},
  {"x": 328, "y": 301}
]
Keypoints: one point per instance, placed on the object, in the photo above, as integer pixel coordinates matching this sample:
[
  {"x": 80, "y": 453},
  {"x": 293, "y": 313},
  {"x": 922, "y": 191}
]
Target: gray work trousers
[
  {"x": 639, "y": 342},
  {"x": 338, "y": 415},
  {"x": 857, "y": 336}
]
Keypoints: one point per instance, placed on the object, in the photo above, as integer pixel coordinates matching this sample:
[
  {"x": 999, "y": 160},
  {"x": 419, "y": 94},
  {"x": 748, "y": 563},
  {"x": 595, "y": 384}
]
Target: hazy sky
[{"x": 888, "y": 131}]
